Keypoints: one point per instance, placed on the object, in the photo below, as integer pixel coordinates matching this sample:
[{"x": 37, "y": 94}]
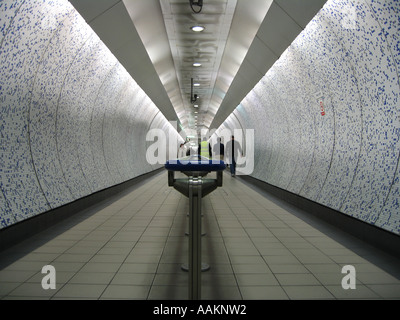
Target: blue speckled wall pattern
[
  {"x": 70, "y": 118},
  {"x": 330, "y": 112}
]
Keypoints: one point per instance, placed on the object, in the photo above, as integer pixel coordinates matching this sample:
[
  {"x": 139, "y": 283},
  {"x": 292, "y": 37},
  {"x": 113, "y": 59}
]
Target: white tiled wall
[
  {"x": 348, "y": 59},
  {"x": 72, "y": 120}
]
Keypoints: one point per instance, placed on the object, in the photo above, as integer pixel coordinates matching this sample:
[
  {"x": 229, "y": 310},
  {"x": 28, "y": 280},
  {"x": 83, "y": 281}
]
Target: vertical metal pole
[{"x": 195, "y": 238}]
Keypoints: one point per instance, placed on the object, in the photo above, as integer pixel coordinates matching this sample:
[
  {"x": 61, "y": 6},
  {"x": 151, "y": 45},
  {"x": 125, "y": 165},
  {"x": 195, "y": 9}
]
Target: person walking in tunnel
[
  {"x": 233, "y": 149},
  {"x": 182, "y": 151},
  {"x": 205, "y": 149},
  {"x": 219, "y": 150}
]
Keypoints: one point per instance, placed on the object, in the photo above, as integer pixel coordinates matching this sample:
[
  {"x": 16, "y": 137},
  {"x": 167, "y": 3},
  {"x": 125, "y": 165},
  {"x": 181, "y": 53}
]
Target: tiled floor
[{"x": 133, "y": 246}]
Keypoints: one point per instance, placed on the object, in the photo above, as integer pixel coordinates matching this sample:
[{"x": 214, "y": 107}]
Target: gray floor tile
[
  {"x": 71, "y": 257},
  {"x": 360, "y": 292},
  {"x": 388, "y": 291},
  {"x": 253, "y": 268},
  {"x": 288, "y": 268},
  {"x": 138, "y": 268},
  {"x": 376, "y": 278},
  {"x": 296, "y": 279},
  {"x": 117, "y": 258},
  {"x": 125, "y": 292},
  {"x": 100, "y": 267},
  {"x": 263, "y": 293},
  {"x": 33, "y": 290},
  {"x": 7, "y": 287},
  {"x": 168, "y": 280},
  {"x": 140, "y": 279},
  {"x": 134, "y": 248},
  {"x": 309, "y": 292},
  {"x": 84, "y": 291},
  {"x": 168, "y": 292},
  {"x": 92, "y": 278},
  {"x": 10, "y": 275},
  {"x": 332, "y": 279},
  {"x": 261, "y": 279},
  {"x": 220, "y": 293}
]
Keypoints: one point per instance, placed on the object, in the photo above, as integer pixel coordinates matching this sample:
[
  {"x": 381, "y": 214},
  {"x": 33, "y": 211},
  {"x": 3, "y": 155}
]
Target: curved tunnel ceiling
[{"x": 242, "y": 39}]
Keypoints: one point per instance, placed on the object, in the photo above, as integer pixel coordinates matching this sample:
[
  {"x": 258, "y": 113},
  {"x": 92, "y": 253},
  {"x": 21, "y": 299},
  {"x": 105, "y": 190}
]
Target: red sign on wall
[{"x": 322, "y": 108}]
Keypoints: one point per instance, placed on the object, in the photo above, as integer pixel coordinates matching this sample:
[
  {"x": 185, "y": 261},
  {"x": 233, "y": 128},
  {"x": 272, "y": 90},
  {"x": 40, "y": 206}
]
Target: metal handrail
[{"x": 195, "y": 187}]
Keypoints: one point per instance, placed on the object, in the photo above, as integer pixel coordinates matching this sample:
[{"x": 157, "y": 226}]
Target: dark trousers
[{"x": 232, "y": 166}]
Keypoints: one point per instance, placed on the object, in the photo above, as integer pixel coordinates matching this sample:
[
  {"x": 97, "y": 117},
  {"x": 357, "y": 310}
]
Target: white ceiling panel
[
  {"x": 279, "y": 30},
  {"x": 261, "y": 56},
  {"x": 301, "y": 11},
  {"x": 92, "y": 9},
  {"x": 275, "y": 34},
  {"x": 112, "y": 23},
  {"x": 147, "y": 18},
  {"x": 123, "y": 27},
  {"x": 241, "y": 41}
]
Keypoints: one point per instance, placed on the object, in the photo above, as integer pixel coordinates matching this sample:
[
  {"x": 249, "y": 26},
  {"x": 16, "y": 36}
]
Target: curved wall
[
  {"x": 327, "y": 114},
  {"x": 72, "y": 120}
]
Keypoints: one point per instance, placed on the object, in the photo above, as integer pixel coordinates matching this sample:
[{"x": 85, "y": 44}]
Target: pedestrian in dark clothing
[{"x": 233, "y": 150}]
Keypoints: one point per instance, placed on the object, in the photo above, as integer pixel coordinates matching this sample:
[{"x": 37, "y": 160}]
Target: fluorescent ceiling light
[
  {"x": 196, "y": 64},
  {"x": 197, "y": 28}
]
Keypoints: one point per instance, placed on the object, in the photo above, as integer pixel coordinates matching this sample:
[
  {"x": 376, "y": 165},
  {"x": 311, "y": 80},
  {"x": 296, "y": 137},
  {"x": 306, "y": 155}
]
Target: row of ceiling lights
[
  {"x": 197, "y": 29},
  {"x": 196, "y": 64}
]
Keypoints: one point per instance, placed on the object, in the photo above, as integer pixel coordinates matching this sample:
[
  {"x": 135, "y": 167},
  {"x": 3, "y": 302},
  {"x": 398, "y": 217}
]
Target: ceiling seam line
[
  {"x": 289, "y": 15},
  {"x": 100, "y": 14}
]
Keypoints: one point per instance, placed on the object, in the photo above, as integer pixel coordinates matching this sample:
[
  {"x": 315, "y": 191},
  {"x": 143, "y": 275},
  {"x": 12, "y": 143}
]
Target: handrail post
[
  {"x": 195, "y": 184},
  {"x": 195, "y": 188}
]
